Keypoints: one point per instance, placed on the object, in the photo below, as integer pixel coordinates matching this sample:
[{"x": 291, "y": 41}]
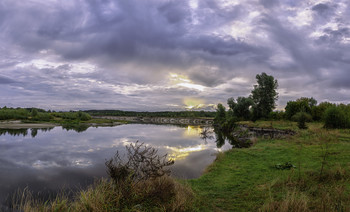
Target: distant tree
[
  {"x": 318, "y": 111},
  {"x": 303, "y": 104},
  {"x": 277, "y": 115},
  {"x": 34, "y": 112},
  {"x": 264, "y": 96},
  {"x": 83, "y": 116}
]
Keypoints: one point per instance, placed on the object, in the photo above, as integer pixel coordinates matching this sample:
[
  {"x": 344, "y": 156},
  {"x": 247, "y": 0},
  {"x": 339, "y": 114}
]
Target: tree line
[
  {"x": 37, "y": 114},
  {"x": 260, "y": 104},
  {"x": 180, "y": 114}
]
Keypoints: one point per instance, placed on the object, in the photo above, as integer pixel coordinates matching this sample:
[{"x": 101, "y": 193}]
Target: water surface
[{"x": 48, "y": 160}]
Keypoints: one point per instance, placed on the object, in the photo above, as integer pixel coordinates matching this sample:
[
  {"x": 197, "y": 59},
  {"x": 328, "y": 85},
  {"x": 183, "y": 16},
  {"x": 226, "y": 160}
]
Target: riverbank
[
  {"x": 19, "y": 124},
  {"x": 159, "y": 120},
  {"x": 307, "y": 172}
]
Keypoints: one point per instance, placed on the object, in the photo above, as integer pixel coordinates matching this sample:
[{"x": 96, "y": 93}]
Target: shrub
[
  {"x": 83, "y": 116},
  {"x": 143, "y": 163},
  {"x": 335, "y": 117},
  {"x": 42, "y": 117},
  {"x": 302, "y": 118}
]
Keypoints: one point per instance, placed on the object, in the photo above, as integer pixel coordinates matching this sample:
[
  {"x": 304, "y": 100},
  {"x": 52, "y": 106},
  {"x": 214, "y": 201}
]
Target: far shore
[{"x": 20, "y": 125}]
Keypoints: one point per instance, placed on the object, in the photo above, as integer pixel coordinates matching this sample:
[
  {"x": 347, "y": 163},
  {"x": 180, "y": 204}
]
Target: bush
[
  {"x": 302, "y": 118},
  {"x": 335, "y": 117},
  {"x": 143, "y": 163},
  {"x": 83, "y": 116},
  {"x": 42, "y": 117},
  {"x": 276, "y": 115}
]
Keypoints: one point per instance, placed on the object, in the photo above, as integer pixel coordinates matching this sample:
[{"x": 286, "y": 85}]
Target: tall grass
[{"x": 161, "y": 194}]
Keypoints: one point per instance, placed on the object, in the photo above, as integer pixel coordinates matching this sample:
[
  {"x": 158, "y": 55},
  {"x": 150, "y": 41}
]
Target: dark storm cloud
[
  {"x": 321, "y": 8},
  {"x": 132, "y": 47},
  {"x": 5, "y": 80}
]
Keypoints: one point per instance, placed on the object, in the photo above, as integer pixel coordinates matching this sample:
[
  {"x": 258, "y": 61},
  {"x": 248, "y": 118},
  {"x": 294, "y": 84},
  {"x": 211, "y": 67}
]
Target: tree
[
  {"x": 34, "y": 112},
  {"x": 224, "y": 121},
  {"x": 264, "y": 96},
  {"x": 220, "y": 116},
  {"x": 319, "y": 110},
  {"x": 242, "y": 107},
  {"x": 231, "y": 103},
  {"x": 302, "y": 104},
  {"x": 335, "y": 117}
]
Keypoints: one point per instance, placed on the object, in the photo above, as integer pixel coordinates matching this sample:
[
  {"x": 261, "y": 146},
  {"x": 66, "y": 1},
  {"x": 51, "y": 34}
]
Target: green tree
[
  {"x": 231, "y": 103},
  {"x": 335, "y": 117},
  {"x": 34, "y": 112},
  {"x": 220, "y": 116},
  {"x": 83, "y": 116},
  {"x": 303, "y": 104},
  {"x": 318, "y": 111},
  {"x": 264, "y": 96},
  {"x": 242, "y": 107}
]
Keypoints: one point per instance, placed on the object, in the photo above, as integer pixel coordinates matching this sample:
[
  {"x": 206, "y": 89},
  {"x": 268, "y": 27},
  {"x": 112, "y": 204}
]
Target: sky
[{"x": 170, "y": 54}]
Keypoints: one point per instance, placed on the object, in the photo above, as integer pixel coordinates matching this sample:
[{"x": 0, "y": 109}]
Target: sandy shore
[{"x": 20, "y": 125}]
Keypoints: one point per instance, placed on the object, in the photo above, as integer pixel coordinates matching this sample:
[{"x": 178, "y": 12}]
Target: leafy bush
[
  {"x": 83, "y": 116},
  {"x": 319, "y": 110},
  {"x": 276, "y": 115},
  {"x": 10, "y": 113},
  {"x": 302, "y": 118},
  {"x": 335, "y": 117},
  {"x": 42, "y": 117}
]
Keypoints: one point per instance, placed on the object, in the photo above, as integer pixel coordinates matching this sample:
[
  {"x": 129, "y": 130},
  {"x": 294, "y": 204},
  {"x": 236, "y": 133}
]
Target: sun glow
[
  {"x": 179, "y": 80},
  {"x": 191, "y": 103}
]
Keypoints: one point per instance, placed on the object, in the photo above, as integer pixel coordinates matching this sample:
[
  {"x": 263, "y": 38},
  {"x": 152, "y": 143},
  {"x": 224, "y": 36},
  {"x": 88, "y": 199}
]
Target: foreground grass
[
  {"x": 247, "y": 180},
  {"x": 161, "y": 194}
]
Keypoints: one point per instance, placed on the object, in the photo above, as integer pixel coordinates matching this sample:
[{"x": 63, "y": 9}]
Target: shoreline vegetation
[{"x": 36, "y": 118}]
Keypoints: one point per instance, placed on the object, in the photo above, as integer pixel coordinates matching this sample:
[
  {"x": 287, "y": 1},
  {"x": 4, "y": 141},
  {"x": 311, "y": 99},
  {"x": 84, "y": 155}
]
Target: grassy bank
[
  {"x": 247, "y": 179},
  {"x": 161, "y": 194}
]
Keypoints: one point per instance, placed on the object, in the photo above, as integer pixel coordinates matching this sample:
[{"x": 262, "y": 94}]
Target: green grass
[
  {"x": 283, "y": 125},
  {"x": 246, "y": 180}
]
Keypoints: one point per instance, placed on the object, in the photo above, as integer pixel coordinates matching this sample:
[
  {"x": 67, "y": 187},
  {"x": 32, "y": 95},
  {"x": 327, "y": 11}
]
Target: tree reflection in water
[
  {"x": 236, "y": 142},
  {"x": 23, "y": 131}
]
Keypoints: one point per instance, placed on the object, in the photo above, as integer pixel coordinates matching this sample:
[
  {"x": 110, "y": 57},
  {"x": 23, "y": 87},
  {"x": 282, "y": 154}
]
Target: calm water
[{"x": 48, "y": 160}]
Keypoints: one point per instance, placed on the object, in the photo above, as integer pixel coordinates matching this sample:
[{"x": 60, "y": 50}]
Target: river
[{"x": 49, "y": 160}]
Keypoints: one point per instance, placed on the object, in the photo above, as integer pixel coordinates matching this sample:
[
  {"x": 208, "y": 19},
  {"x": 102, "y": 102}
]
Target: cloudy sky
[{"x": 170, "y": 54}]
